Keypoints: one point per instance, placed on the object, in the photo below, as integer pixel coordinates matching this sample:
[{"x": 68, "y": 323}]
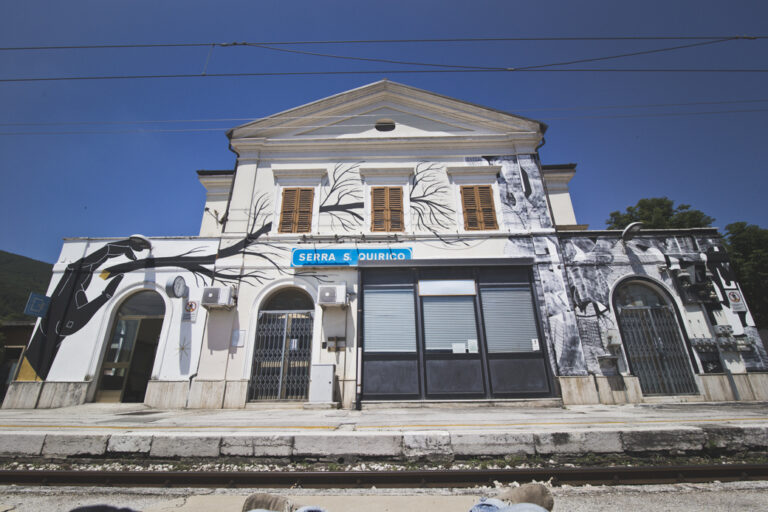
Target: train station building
[{"x": 389, "y": 244}]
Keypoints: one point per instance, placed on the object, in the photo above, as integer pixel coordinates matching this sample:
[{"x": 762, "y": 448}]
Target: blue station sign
[
  {"x": 37, "y": 305},
  {"x": 345, "y": 257}
]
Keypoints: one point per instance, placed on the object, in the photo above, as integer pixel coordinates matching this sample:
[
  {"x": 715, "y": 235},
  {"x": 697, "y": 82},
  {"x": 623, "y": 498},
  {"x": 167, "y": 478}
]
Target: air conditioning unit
[
  {"x": 332, "y": 294},
  {"x": 218, "y": 298}
]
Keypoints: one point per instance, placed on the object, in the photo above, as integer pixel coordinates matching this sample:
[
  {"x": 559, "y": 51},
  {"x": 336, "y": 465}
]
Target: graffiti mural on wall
[
  {"x": 73, "y": 304},
  {"x": 343, "y": 201},
  {"x": 523, "y": 198},
  {"x": 595, "y": 264}
]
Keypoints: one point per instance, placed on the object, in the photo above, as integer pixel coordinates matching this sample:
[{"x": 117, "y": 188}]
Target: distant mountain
[{"x": 19, "y": 276}]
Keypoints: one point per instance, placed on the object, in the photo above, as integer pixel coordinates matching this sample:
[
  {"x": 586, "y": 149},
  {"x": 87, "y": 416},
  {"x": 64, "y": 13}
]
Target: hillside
[{"x": 19, "y": 276}]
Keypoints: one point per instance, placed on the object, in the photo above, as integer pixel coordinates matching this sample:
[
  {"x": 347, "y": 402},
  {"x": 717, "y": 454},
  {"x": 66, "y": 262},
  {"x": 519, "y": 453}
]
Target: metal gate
[
  {"x": 281, "y": 356},
  {"x": 656, "y": 351}
]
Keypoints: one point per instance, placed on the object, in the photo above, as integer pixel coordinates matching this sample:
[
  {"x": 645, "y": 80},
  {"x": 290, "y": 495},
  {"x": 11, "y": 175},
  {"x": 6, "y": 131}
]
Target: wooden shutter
[
  {"x": 304, "y": 217},
  {"x": 479, "y": 210},
  {"x": 296, "y": 210},
  {"x": 487, "y": 208},
  {"x": 386, "y": 209},
  {"x": 395, "y": 203},
  {"x": 379, "y": 209}
]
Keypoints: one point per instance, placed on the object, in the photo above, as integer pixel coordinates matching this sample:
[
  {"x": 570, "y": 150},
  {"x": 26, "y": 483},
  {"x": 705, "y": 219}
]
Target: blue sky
[{"x": 129, "y": 178}]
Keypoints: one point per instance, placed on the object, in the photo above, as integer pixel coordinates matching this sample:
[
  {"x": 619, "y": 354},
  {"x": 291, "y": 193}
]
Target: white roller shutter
[
  {"x": 510, "y": 323},
  {"x": 389, "y": 320}
]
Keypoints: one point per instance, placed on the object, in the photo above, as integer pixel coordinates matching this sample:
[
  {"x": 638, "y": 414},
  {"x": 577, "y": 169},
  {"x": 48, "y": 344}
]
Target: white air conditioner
[
  {"x": 218, "y": 298},
  {"x": 332, "y": 294}
]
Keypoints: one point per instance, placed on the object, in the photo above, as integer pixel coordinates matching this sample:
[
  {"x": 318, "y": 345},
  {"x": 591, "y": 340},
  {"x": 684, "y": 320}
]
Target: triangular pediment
[
  {"x": 363, "y": 124},
  {"x": 413, "y": 112}
]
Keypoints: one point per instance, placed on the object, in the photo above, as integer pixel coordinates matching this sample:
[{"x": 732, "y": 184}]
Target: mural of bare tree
[
  {"x": 429, "y": 200},
  {"x": 345, "y": 186}
]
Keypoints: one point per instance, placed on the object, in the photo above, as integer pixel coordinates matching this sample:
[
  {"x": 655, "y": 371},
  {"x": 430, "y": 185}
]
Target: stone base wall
[
  {"x": 166, "y": 394},
  {"x": 62, "y": 394},
  {"x": 235, "y": 394},
  {"x": 579, "y": 390},
  {"x": 206, "y": 394},
  {"x": 22, "y": 395},
  {"x": 759, "y": 383}
]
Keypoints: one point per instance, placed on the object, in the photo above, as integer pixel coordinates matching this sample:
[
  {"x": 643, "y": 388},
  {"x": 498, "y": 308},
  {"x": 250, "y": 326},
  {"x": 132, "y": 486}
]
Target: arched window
[
  {"x": 636, "y": 294},
  {"x": 289, "y": 299}
]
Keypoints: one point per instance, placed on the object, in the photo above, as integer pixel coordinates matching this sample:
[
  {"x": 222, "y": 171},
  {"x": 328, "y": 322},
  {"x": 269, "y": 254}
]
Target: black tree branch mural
[
  {"x": 344, "y": 196},
  {"x": 429, "y": 200}
]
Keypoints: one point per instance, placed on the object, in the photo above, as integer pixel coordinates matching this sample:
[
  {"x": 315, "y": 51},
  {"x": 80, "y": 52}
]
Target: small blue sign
[
  {"x": 345, "y": 257},
  {"x": 37, "y": 305}
]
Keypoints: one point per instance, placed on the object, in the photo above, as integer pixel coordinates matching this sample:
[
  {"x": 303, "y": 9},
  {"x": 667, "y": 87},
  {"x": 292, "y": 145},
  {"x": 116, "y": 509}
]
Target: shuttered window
[
  {"x": 386, "y": 209},
  {"x": 479, "y": 210},
  {"x": 389, "y": 320},
  {"x": 296, "y": 210},
  {"x": 510, "y": 324},
  {"x": 449, "y": 321}
]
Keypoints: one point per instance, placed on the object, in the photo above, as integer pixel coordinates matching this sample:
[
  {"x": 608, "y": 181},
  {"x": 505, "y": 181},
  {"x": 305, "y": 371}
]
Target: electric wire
[
  {"x": 188, "y": 130},
  {"x": 487, "y": 68},
  {"x": 381, "y": 41},
  {"x": 382, "y": 72},
  {"x": 376, "y": 116},
  {"x": 445, "y": 68}
]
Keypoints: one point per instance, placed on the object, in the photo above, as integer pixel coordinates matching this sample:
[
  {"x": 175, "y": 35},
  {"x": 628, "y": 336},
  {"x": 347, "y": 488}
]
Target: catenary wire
[
  {"x": 488, "y": 68},
  {"x": 186, "y": 130},
  {"x": 376, "y": 116},
  {"x": 383, "y": 72},
  {"x": 382, "y": 41}
]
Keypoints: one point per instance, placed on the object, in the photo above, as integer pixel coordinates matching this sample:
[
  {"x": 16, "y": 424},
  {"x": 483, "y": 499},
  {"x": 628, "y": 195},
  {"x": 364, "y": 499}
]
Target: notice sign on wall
[
  {"x": 737, "y": 302},
  {"x": 345, "y": 257},
  {"x": 190, "y": 311}
]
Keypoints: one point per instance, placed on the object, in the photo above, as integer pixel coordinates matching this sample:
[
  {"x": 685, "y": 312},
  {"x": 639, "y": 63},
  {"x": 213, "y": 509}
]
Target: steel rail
[{"x": 626, "y": 475}]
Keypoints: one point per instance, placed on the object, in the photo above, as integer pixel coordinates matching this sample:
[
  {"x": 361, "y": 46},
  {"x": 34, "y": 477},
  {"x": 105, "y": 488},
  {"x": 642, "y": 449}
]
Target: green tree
[
  {"x": 747, "y": 246},
  {"x": 659, "y": 213}
]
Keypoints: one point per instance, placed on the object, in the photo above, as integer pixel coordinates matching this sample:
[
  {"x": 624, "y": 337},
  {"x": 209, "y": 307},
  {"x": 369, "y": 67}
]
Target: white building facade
[{"x": 391, "y": 244}]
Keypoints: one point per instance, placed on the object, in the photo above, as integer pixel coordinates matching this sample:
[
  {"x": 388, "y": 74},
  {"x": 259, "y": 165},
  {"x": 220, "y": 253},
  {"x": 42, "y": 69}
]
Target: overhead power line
[
  {"x": 382, "y": 72},
  {"x": 189, "y": 130},
  {"x": 380, "y": 41},
  {"x": 330, "y": 118},
  {"x": 445, "y": 68},
  {"x": 490, "y": 68}
]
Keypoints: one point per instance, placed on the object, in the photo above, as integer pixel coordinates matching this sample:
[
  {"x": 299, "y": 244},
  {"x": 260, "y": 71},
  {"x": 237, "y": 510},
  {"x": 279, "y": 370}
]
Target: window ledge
[
  {"x": 474, "y": 170},
  {"x": 310, "y": 173},
  {"x": 379, "y": 172}
]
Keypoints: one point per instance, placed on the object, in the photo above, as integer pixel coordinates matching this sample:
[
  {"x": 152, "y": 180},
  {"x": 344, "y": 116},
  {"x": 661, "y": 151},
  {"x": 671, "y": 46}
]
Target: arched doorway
[
  {"x": 283, "y": 347},
  {"x": 130, "y": 355},
  {"x": 652, "y": 340}
]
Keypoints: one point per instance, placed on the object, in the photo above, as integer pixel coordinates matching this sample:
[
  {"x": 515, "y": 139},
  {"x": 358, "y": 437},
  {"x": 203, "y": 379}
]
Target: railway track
[{"x": 626, "y": 475}]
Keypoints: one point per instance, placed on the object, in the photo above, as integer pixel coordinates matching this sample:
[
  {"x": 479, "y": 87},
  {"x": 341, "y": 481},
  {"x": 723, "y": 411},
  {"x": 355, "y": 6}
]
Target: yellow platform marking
[{"x": 333, "y": 427}]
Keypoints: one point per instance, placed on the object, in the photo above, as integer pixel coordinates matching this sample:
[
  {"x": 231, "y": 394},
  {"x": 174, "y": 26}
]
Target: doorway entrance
[
  {"x": 127, "y": 365},
  {"x": 283, "y": 348},
  {"x": 655, "y": 348}
]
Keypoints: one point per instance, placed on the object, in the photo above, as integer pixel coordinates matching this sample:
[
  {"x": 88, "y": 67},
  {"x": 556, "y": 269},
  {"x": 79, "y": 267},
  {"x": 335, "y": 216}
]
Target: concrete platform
[{"x": 436, "y": 433}]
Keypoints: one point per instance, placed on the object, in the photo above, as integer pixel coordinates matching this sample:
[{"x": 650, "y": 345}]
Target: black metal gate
[
  {"x": 281, "y": 356},
  {"x": 655, "y": 350}
]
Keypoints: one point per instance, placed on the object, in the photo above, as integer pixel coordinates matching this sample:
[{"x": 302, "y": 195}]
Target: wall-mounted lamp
[{"x": 631, "y": 231}]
